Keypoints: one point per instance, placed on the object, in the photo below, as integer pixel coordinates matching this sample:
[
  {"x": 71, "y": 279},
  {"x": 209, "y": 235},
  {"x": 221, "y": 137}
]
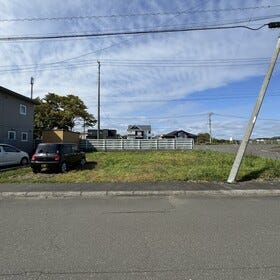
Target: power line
[
  {"x": 200, "y": 25},
  {"x": 204, "y": 115},
  {"x": 245, "y": 118},
  {"x": 166, "y": 61},
  {"x": 226, "y": 22},
  {"x": 73, "y": 36},
  {"x": 135, "y": 32},
  {"x": 183, "y": 63},
  {"x": 158, "y": 118},
  {"x": 186, "y": 99},
  {"x": 88, "y": 17}
]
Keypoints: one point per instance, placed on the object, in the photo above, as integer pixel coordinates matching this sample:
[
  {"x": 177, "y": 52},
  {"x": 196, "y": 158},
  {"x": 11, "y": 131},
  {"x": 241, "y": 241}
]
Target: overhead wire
[
  {"x": 184, "y": 116},
  {"x": 186, "y": 99},
  {"x": 130, "y": 32},
  {"x": 245, "y": 118},
  {"x": 139, "y": 31},
  {"x": 153, "y": 63},
  {"x": 180, "y": 12},
  {"x": 158, "y": 118}
]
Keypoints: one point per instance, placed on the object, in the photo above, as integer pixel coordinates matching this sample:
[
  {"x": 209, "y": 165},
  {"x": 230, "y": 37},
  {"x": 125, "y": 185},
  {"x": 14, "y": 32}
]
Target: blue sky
[{"x": 169, "y": 80}]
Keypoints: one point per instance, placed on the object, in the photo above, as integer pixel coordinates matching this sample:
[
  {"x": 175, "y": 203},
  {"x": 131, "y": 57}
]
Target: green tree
[
  {"x": 61, "y": 112},
  {"x": 203, "y": 138}
]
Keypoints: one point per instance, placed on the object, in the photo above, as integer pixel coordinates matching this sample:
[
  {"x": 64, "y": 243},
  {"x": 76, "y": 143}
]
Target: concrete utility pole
[
  {"x": 251, "y": 124},
  {"x": 210, "y": 126},
  {"x": 32, "y": 82},
  {"x": 98, "y": 117}
]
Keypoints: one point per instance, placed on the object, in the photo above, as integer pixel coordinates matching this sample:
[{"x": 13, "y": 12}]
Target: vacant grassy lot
[{"x": 152, "y": 166}]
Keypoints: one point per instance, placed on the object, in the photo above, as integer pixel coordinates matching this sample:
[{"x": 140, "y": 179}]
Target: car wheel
[
  {"x": 83, "y": 162},
  {"x": 36, "y": 170},
  {"x": 24, "y": 161},
  {"x": 63, "y": 167}
]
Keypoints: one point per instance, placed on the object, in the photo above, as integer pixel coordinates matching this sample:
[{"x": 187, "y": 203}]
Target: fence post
[
  {"x": 139, "y": 144},
  {"x": 174, "y": 144}
]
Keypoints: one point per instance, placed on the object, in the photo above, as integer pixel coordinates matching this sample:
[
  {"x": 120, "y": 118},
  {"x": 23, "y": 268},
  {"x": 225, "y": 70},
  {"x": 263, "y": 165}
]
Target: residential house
[
  {"x": 179, "y": 134},
  {"x": 139, "y": 132},
  {"x": 16, "y": 119}
]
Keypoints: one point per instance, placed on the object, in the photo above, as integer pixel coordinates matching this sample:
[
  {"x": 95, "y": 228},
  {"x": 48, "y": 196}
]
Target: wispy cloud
[{"x": 130, "y": 72}]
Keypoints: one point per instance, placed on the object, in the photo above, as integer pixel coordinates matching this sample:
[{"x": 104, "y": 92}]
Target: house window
[
  {"x": 22, "y": 109},
  {"x": 24, "y": 137},
  {"x": 11, "y": 135}
]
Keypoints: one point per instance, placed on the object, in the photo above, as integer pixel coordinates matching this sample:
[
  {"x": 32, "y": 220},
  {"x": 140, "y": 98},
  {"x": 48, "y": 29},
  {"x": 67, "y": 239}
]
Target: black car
[{"x": 57, "y": 156}]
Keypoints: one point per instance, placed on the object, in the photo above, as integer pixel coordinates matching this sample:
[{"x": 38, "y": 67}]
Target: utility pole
[
  {"x": 98, "y": 114},
  {"x": 32, "y": 82},
  {"x": 251, "y": 124},
  {"x": 210, "y": 126}
]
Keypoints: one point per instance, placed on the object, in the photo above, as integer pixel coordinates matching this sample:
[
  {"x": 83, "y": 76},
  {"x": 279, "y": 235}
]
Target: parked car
[
  {"x": 57, "y": 157},
  {"x": 10, "y": 155}
]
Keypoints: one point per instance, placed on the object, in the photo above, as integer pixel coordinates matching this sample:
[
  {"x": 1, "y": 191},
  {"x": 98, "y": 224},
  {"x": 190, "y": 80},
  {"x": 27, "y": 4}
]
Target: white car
[{"x": 10, "y": 155}]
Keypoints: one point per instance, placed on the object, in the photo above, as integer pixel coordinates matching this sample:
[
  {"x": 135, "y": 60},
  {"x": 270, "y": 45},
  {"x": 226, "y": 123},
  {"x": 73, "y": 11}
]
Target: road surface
[
  {"x": 261, "y": 150},
  {"x": 140, "y": 238}
]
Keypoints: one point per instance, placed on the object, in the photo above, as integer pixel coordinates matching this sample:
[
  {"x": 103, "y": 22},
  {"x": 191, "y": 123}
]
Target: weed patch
[{"x": 153, "y": 166}]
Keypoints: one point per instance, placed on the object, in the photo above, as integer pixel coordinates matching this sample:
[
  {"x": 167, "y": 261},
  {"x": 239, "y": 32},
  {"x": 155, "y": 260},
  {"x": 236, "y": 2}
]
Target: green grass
[{"x": 153, "y": 166}]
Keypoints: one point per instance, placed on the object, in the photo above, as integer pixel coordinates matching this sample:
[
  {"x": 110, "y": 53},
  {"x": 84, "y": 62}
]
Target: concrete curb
[{"x": 92, "y": 194}]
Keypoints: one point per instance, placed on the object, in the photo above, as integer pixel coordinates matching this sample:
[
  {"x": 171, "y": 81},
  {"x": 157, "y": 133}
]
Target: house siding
[
  {"x": 12, "y": 120},
  {"x": 139, "y": 132}
]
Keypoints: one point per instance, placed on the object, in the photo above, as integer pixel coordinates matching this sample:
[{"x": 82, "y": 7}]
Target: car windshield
[{"x": 47, "y": 148}]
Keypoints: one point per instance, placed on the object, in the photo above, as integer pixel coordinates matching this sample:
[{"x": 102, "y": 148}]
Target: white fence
[{"x": 138, "y": 144}]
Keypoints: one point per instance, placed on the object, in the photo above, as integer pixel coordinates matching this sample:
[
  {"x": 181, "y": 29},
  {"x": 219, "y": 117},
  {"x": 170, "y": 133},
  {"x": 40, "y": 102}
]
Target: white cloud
[{"x": 135, "y": 82}]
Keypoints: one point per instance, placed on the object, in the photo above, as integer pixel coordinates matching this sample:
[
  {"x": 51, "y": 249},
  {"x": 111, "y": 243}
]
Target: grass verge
[{"x": 153, "y": 166}]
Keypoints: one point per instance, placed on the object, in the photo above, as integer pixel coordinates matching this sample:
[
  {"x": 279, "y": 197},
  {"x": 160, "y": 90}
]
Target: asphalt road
[
  {"x": 261, "y": 150},
  {"x": 140, "y": 238}
]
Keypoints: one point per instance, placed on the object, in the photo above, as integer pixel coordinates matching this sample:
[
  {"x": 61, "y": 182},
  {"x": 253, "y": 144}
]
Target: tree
[
  {"x": 61, "y": 112},
  {"x": 203, "y": 138}
]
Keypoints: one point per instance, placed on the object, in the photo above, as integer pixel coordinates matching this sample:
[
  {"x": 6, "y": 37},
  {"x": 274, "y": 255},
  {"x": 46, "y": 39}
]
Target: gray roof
[
  {"x": 139, "y": 127},
  {"x": 175, "y": 133},
  {"x": 19, "y": 96}
]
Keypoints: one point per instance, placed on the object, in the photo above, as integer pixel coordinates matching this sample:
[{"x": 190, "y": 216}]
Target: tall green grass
[{"x": 153, "y": 166}]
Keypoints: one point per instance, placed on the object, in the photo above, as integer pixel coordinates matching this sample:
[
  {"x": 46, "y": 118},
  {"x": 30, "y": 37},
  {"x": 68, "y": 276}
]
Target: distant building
[
  {"x": 266, "y": 140},
  {"x": 16, "y": 119},
  {"x": 104, "y": 134},
  {"x": 179, "y": 134},
  {"x": 139, "y": 132}
]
